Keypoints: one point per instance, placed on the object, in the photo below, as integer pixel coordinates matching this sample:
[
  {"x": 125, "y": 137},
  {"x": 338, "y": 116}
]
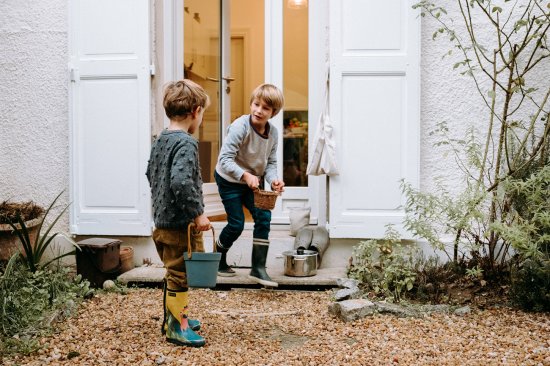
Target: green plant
[
  {"x": 29, "y": 301},
  {"x": 432, "y": 279},
  {"x": 530, "y": 288},
  {"x": 528, "y": 226},
  {"x": 448, "y": 222},
  {"x": 474, "y": 273},
  {"x": 34, "y": 251},
  {"x": 386, "y": 267},
  {"x": 503, "y": 46}
]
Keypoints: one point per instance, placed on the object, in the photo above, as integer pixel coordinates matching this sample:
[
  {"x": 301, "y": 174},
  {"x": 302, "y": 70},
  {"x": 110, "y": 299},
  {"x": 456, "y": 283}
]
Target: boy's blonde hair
[
  {"x": 270, "y": 95},
  {"x": 181, "y": 98}
]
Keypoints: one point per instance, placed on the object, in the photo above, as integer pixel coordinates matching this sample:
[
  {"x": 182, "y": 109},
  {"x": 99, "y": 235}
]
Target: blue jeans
[{"x": 234, "y": 196}]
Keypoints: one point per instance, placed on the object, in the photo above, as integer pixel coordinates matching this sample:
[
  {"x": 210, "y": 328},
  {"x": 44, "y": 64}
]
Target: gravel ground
[{"x": 264, "y": 327}]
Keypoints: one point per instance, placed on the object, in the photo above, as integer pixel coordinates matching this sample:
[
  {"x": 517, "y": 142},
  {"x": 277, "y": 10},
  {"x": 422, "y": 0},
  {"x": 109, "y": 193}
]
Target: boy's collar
[{"x": 266, "y": 130}]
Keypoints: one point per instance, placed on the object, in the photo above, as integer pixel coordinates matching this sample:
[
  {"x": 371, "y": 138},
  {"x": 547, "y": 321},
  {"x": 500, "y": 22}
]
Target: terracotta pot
[
  {"x": 126, "y": 258},
  {"x": 9, "y": 241}
]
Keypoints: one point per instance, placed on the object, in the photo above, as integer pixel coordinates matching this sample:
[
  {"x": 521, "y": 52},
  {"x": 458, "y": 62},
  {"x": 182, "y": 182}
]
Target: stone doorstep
[{"x": 155, "y": 274}]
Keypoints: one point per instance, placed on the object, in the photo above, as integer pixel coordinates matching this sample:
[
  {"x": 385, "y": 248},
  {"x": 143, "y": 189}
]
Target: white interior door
[
  {"x": 110, "y": 117},
  {"x": 374, "y": 104}
]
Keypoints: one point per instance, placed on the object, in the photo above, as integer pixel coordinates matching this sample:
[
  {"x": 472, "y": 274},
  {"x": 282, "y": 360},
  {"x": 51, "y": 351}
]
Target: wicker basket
[{"x": 265, "y": 200}]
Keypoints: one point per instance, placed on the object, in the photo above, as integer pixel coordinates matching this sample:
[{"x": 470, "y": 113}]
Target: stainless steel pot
[{"x": 300, "y": 263}]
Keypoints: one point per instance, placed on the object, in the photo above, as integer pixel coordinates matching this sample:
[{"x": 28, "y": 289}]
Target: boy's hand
[
  {"x": 251, "y": 180},
  {"x": 278, "y": 185},
  {"x": 202, "y": 223}
]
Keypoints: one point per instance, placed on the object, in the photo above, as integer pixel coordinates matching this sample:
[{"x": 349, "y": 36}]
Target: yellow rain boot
[
  {"x": 178, "y": 330},
  {"x": 194, "y": 324}
]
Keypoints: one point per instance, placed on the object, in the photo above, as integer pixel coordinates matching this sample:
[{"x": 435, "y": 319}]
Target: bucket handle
[{"x": 192, "y": 224}]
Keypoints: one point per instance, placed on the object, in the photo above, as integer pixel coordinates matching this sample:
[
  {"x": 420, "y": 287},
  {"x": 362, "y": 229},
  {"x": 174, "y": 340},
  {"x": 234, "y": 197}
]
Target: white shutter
[
  {"x": 374, "y": 102},
  {"x": 110, "y": 117}
]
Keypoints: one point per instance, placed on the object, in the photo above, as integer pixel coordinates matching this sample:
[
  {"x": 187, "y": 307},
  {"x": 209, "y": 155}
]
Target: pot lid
[{"x": 301, "y": 253}]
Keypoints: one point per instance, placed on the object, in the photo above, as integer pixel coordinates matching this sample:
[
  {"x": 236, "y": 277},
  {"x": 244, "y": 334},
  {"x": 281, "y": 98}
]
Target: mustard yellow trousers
[{"x": 171, "y": 244}]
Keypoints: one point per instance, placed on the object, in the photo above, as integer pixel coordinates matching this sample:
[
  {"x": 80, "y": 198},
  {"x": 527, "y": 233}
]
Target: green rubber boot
[
  {"x": 259, "y": 255},
  {"x": 224, "y": 270}
]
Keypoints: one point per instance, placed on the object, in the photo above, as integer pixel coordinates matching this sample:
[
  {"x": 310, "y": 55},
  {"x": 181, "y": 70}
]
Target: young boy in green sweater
[{"x": 176, "y": 186}]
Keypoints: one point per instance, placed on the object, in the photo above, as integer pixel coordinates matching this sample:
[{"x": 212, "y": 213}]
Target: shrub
[
  {"x": 509, "y": 140},
  {"x": 385, "y": 267},
  {"x": 530, "y": 288},
  {"x": 29, "y": 300}
]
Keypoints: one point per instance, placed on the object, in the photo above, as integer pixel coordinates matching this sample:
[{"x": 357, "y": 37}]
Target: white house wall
[
  {"x": 445, "y": 96},
  {"x": 34, "y": 136}
]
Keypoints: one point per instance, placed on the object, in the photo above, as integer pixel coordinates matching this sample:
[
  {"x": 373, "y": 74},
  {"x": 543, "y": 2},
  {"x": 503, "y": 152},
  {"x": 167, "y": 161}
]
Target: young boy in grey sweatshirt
[{"x": 247, "y": 158}]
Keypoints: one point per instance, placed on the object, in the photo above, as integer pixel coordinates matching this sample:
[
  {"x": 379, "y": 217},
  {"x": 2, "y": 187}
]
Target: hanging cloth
[{"x": 323, "y": 157}]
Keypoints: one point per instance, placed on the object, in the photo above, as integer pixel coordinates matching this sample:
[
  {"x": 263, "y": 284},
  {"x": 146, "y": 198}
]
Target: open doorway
[{"x": 230, "y": 48}]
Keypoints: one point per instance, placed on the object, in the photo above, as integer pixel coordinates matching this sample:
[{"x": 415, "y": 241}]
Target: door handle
[
  {"x": 212, "y": 79},
  {"x": 228, "y": 80}
]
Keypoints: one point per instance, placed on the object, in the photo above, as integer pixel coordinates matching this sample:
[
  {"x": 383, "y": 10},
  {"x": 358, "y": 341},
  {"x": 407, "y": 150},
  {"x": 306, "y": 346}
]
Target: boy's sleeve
[
  {"x": 235, "y": 135},
  {"x": 186, "y": 182},
  {"x": 271, "y": 167}
]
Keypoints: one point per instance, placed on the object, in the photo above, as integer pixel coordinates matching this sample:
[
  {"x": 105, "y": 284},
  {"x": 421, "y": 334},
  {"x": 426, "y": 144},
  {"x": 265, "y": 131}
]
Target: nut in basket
[{"x": 265, "y": 200}]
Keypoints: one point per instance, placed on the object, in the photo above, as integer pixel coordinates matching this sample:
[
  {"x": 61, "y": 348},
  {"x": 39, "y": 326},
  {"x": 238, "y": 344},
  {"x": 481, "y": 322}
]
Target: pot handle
[
  {"x": 297, "y": 259},
  {"x": 189, "y": 228}
]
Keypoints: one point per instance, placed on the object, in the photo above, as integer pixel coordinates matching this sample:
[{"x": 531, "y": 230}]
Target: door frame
[
  {"x": 172, "y": 55},
  {"x": 318, "y": 49}
]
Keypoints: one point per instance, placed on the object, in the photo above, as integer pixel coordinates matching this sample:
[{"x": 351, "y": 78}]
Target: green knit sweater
[{"x": 174, "y": 175}]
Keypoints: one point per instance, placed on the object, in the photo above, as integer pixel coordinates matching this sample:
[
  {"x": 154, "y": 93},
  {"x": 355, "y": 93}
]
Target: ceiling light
[{"x": 297, "y": 4}]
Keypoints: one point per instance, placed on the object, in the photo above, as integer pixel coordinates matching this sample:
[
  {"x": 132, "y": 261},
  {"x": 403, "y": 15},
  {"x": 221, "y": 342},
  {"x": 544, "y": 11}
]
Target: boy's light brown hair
[
  {"x": 270, "y": 95},
  {"x": 182, "y": 97}
]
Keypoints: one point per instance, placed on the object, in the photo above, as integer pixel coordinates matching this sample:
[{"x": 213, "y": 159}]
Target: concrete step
[
  {"x": 333, "y": 265},
  {"x": 153, "y": 275}
]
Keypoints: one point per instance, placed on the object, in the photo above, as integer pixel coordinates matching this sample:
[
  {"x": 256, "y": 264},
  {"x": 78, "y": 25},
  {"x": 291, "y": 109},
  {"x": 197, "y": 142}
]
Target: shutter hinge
[
  {"x": 72, "y": 74},
  {"x": 152, "y": 69}
]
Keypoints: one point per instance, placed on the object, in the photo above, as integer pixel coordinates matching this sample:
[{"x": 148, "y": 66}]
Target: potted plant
[
  {"x": 25, "y": 223},
  {"x": 29, "y": 212}
]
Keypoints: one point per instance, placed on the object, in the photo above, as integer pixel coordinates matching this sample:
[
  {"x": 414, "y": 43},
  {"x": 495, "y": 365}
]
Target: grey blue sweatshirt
[{"x": 244, "y": 149}]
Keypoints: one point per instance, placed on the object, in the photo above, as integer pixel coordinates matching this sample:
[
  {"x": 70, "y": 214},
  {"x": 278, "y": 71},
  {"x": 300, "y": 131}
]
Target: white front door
[
  {"x": 375, "y": 109},
  {"x": 109, "y": 117}
]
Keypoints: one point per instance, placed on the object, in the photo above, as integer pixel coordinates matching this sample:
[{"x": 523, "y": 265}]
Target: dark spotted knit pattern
[{"x": 174, "y": 176}]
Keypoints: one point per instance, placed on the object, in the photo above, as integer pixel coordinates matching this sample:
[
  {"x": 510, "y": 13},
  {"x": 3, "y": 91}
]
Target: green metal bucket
[{"x": 201, "y": 268}]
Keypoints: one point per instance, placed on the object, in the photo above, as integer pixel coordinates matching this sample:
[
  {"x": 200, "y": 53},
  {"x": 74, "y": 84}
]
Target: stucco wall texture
[
  {"x": 34, "y": 130},
  {"x": 34, "y": 127}
]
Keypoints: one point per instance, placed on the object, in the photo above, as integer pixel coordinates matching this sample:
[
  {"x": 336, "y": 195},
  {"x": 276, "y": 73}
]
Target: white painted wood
[
  {"x": 110, "y": 117},
  {"x": 295, "y": 196},
  {"x": 274, "y": 75},
  {"x": 174, "y": 53},
  {"x": 318, "y": 56},
  {"x": 212, "y": 201},
  {"x": 374, "y": 103}
]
